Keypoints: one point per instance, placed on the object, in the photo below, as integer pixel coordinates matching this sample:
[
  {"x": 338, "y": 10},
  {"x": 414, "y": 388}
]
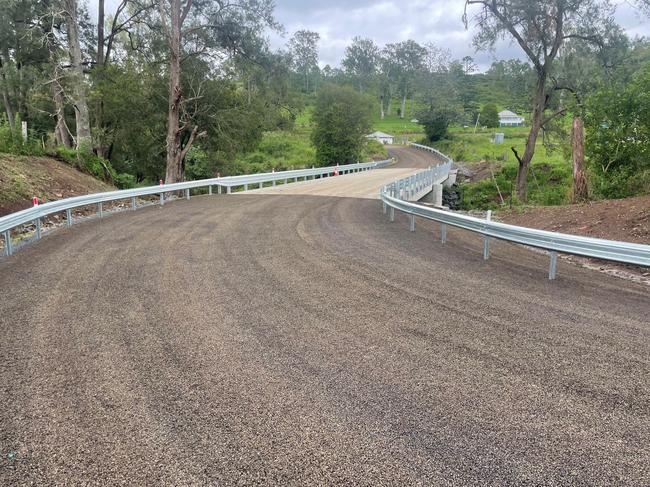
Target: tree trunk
[
  {"x": 389, "y": 108},
  {"x": 401, "y": 115},
  {"x": 5, "y": 96},
  {"x": 61, "y": 130},
  {"x": 100, "y": 33},
  {"x": 174, "y": 172},
  {"x": 529, "y": 152},
  {"x": 100, "y": 142},
  {"x": 381, "y": 105},
  {"x": 580, "y": 189},
  {"x": 77, "y": 79}
]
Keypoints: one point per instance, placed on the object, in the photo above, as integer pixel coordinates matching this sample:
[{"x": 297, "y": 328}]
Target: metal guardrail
[
  {"x": 37, "y": 212},
  {"x": 435, "y": 152},
  {"x": 396, "y": 196}
]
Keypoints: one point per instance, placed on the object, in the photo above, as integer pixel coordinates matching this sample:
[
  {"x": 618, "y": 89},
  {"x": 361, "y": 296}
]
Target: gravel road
[{"x": 302, "y": 339}]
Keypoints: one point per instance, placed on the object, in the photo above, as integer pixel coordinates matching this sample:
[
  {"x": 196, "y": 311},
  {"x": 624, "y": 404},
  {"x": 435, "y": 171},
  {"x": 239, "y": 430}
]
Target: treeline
[
  {"x": 174, "y": 89},
  {"x": 160, "y": 89}
]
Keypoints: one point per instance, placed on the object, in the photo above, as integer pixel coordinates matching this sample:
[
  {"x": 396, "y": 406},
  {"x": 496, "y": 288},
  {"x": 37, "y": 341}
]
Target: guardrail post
[
  {"x": 552, "y": 270},
  {"x": 443, "y": 232},
  {"x": 68, "y": 216},
  {"x": 228, "y": 189},
  {"x": 392, "y": 214},
  {"x": 286, "y": 181},
  {"x": 245, "y": 187},
  {"x": 133, "y": 203},
  {"x": 162, "y": 199},
  {"x": 8, "y": 248},
  {"x": 385, "y": 207},
  {"x": 273, "y": 183},
  {"x": 210, "y": 189},
  {"x": 218, "y": 189},
  {"x": 261, "y": 185},
  {"x": 295, "y": 180},
  {"x": 38, "y": 228},
  {"x": 100, "y": 209},
  {"x": 486, "y": 240},
  {"x": 412, "y": 228}
]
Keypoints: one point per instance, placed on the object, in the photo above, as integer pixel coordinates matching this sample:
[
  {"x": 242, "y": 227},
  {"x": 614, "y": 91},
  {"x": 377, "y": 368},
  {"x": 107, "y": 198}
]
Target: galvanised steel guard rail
[
  {"x": 36, "y": 213},
  {"x": 397, "y": 194}
]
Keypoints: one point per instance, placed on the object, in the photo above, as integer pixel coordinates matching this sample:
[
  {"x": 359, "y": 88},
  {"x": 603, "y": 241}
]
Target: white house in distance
[
  {"x": 510, "y": 119},
  {"x": 381, "y": 137}
]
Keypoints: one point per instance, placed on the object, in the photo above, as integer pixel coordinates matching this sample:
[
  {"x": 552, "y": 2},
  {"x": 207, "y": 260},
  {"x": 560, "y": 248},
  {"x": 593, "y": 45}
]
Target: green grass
[
  {"x": 549, "y": 181},
  {"x": 292, "y": 149},
  {"x": 280, "y": 150},
  {"x": 394, "y": 125}
]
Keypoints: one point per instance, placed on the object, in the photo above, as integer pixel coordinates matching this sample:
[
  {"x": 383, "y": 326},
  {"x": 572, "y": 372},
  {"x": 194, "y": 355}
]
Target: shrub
[
  {"x": 436, "y": 122},
  {"x": 124, "y": 181},
  {"x": 490, "y": 116}
]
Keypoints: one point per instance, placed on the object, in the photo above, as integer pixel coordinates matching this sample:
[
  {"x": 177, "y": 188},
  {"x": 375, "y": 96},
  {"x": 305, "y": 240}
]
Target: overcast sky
[{"x": 385, "y": 21}]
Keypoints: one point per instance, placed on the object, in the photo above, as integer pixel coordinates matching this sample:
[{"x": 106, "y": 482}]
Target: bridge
[{"x": 294, "y": 335}]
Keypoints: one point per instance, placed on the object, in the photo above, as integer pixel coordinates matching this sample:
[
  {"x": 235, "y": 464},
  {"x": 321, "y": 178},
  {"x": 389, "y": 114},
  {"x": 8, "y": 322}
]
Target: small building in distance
[
  {"x": 381, "y": 137},
  {"x": 510, "y": 119}
]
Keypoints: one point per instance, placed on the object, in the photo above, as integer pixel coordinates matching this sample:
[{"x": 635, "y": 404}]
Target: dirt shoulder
[
  {"x": 23, "y": 177},
  {"x": 626, "y": 219}
]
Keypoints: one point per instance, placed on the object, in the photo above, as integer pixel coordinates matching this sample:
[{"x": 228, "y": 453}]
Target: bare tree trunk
[
  {"x": 389, "y": 99},
  {"x": 100, "y": 143},
  {"x": 83, "y": 140},
  {"x": 529, "y": 152},
  {"x": 381, "y": 100},
  {"x": 580, "y": 188},
  {"x": 61, "y": 130},
  {"x": 5, "y": 96},
  {"x": 100, "y": 33},
  {"x": 401, "y": 115},
  {"x": 174, "y": 172}
]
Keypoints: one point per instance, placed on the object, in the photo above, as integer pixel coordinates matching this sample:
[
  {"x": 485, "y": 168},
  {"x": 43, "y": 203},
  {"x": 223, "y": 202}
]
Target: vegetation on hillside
[{"x": 113, "y": 98}]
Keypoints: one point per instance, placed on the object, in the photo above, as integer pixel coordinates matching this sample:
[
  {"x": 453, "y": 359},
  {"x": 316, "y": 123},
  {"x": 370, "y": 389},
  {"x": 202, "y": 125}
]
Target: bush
[
  {"x": 490, "y": 116},
  {"x": 342, "y": 118},
  {"x": 124, "y": 181},
  {"x": 618, "y": 138},
  {"x": 436, "y": 122},
  {"x": 86, "y": 162},
  {"x": 11, "y": 140}
]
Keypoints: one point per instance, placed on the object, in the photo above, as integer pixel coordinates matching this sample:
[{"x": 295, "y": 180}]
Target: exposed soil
[
  {"x": 625, "y": 220},
  {"x": 23, "y": 177}
]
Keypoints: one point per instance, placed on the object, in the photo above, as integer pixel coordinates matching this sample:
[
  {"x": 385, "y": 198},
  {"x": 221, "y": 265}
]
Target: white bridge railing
[
  {"x": 38, "y": 212},
  {"x": 398, "y": 195}
]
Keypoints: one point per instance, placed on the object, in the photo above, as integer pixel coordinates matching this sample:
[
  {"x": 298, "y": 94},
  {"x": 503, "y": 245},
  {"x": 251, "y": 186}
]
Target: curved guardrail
[
  {"x": 37, "y": 212},
  {"x": 398, "y": 195}
]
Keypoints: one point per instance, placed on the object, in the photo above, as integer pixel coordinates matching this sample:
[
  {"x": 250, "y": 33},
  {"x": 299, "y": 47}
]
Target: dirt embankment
[
  {"x": 626, "y": 219},
  {"x": 23, "y": 177}
]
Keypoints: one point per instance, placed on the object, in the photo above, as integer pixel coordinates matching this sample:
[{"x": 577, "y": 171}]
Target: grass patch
[
  {"x": 549, "y": 180},
  {"x": 283, "y": 150}
]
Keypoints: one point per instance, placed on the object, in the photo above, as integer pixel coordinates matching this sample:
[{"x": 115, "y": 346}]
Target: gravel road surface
[{"x": 302, "y": 339}]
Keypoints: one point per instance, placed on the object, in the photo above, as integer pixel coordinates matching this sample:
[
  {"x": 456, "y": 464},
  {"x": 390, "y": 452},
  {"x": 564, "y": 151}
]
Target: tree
[
  {"x": 304, "y": 50},
  {"x": 436, "y": 122},
  {"x": 341, "y": 121},
  {"x": 204, "y": 28},
  {"x": 360, "y": 61},
  {"x": 618, "y": 127},
  {"x": 540, "y": 28},
  {"x": 407, "y": 58},
  {"x": 76, "y": 77},
  {"x": 490, "y": 115}
]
